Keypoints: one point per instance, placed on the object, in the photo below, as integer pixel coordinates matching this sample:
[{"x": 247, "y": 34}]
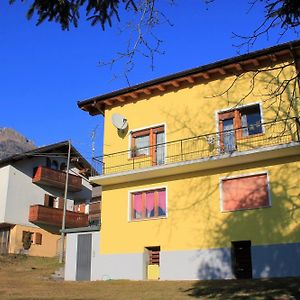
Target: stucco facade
[{"x": 198, "y": 236}]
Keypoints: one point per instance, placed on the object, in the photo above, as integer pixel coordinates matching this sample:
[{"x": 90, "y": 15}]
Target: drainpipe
[{"x": 63, "y": 226}]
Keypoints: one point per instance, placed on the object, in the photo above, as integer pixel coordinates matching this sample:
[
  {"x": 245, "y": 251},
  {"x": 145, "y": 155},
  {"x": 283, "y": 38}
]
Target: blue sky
[{"x": 44, "y": 71}]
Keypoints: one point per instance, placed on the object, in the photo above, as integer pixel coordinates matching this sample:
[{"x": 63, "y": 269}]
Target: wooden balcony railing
[
  {"x": 218, "y": 144},
  {"x": 55, "y": 178},
  {"x": 40, "y": 214}
]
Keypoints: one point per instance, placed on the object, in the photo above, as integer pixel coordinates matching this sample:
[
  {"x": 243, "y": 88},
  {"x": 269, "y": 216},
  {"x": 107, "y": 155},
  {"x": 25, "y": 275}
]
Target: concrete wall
[
  {"x": 197, "y": 264},
  {"x": 4, "y": 176},
  {"x": 280, "y": 260},
  {"x": 104, "y": 267}
]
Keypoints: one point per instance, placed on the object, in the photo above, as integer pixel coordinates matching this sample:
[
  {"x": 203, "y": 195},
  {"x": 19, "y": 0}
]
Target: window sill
[
  {"x": 139, "y": 157},
  {"x": 243, "y": 209},
  {"x": 250, "y": 136},
  {"x": 147, "y": 219}
]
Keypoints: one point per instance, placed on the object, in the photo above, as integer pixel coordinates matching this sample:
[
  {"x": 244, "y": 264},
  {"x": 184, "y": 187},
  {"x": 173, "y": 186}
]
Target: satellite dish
[{"x": 119, "y": 121}]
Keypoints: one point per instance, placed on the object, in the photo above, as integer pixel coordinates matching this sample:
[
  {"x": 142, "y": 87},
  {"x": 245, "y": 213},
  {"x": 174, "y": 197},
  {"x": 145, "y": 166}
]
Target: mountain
[{"x": 12, "y": 142}]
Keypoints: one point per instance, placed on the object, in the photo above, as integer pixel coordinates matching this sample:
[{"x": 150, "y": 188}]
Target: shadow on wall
[
  {"x": 262, "y": 226},
  {"x": 199, "y": 204},
  {"x": 265, "y": 224},
  {"x": 216, "y": 265}
]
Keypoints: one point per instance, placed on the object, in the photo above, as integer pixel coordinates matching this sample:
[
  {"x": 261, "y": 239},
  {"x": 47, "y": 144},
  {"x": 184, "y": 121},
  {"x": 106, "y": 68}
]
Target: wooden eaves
[{"x": 228, "y": 67}]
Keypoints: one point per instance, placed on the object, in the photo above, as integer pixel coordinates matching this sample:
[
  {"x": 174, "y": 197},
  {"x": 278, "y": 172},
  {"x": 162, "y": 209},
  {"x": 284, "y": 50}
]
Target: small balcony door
[
  {"x": 228, "y": 122},
  {"x": 160, "y": 148},
  {"x": 228, "y": 136}
]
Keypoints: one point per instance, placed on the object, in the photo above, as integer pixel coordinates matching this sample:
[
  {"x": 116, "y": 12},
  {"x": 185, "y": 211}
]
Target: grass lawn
[{"x": 27, "y": 278}]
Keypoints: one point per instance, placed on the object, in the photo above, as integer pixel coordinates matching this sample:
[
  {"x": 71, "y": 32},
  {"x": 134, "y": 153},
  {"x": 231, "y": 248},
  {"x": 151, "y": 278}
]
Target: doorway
[
  {"x": 4, "y": 240},
  {"x": 84, "y": 255},
  {"x": 152, "y": 262},
  {"x": 241, "y": 259}
]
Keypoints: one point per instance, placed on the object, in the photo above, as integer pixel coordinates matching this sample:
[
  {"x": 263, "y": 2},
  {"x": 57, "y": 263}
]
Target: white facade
[
  {"x": 4, "y": 178},
  {"x": 17, "y": 192}
]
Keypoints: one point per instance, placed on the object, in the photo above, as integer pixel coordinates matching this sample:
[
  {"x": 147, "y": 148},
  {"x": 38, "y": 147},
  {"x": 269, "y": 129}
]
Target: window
[
  {"x": 248, "y": 118},
  {"x": 38, "y": 238},
  {"x": 54, "y": 165},
  {"x": 48, "y": 162},
  {"x": 246, "y": 192},
  {"x": 27, "y": 235},
  {"x": 148, "y": 204},
  {"x": 63, "y": 166},
  {"x": 237, "y": 124},
  {"x": 149, "y": 142},
  {"x": 49, "y": 200}
]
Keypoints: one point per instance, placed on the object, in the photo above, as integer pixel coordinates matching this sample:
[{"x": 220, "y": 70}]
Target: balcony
[
  {"x": 232, "y": 147},
  {"x": 55, "y": 178},
  {"x": 50, "y": 216}
]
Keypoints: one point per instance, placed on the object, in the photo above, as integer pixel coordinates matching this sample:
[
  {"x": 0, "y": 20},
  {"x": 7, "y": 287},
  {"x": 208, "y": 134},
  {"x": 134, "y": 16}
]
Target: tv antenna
[{"x": 93, "y": 135}]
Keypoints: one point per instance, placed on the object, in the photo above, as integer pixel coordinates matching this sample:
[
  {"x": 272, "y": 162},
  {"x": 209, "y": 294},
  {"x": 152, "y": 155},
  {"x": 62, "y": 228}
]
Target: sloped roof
[
  {"x": 61, "y": 147},
  {"x": 97, "y": 105}
]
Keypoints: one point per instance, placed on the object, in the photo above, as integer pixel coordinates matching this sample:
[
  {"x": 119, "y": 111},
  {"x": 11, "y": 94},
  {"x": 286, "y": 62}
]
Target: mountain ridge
[{"x": 12, "y": 142}]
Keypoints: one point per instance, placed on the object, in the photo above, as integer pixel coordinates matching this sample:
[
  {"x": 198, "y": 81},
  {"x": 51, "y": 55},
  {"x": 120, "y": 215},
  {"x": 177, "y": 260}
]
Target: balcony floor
[{"x": 213, "y": 162}]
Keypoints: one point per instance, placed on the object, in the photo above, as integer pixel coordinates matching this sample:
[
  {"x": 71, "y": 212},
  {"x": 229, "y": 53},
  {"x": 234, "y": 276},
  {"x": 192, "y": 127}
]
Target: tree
[
  {"x": 278, "y": 13},
  {"x": 67, "y": 12},
  {"x": 145, "y": 15}
]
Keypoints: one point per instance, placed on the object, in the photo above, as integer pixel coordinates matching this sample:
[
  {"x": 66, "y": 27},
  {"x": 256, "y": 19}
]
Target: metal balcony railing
[{"x": 218, "y": 144}]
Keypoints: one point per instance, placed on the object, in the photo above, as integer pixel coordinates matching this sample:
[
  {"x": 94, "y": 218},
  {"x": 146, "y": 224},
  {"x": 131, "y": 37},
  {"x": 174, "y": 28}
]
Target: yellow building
[{"x": 200, "y": 172}]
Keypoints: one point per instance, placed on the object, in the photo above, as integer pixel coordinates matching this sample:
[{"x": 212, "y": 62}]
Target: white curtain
[{"x": 142, "y": 145}]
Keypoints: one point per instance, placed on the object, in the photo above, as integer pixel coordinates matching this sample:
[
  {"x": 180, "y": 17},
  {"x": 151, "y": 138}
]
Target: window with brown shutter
[
  {"x": 46, "y": 200},
  {"x": 153, "y": 255},
  {"x": 61, "y": 202},
  {"x": 247, "y": 192},
  {"x": 38, "y": 238}
]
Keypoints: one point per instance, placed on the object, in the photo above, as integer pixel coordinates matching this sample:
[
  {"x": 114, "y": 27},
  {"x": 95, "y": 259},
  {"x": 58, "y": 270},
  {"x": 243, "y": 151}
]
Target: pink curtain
[
  {"x": 162, "y": 200},
  {"x": 150, "y": 201},
  {"x": 137, "y": 202}
]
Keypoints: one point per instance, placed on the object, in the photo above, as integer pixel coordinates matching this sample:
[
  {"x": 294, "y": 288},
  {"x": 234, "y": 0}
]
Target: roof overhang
[{"x": 228, "y": 67}]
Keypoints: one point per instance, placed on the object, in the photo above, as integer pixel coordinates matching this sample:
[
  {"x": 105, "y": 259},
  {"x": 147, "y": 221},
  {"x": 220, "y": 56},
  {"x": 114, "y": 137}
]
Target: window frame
[
  {"x": 144, "y": 190},
  {"x": 239, "y": 107},
  {"x": 141, "y": 131},
  {"x": 38, "y": 241},
  {"x": 221, "y": 179}
]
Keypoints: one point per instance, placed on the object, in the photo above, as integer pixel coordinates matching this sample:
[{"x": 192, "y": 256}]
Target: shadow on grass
[{"x": 280, "y": 289}]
